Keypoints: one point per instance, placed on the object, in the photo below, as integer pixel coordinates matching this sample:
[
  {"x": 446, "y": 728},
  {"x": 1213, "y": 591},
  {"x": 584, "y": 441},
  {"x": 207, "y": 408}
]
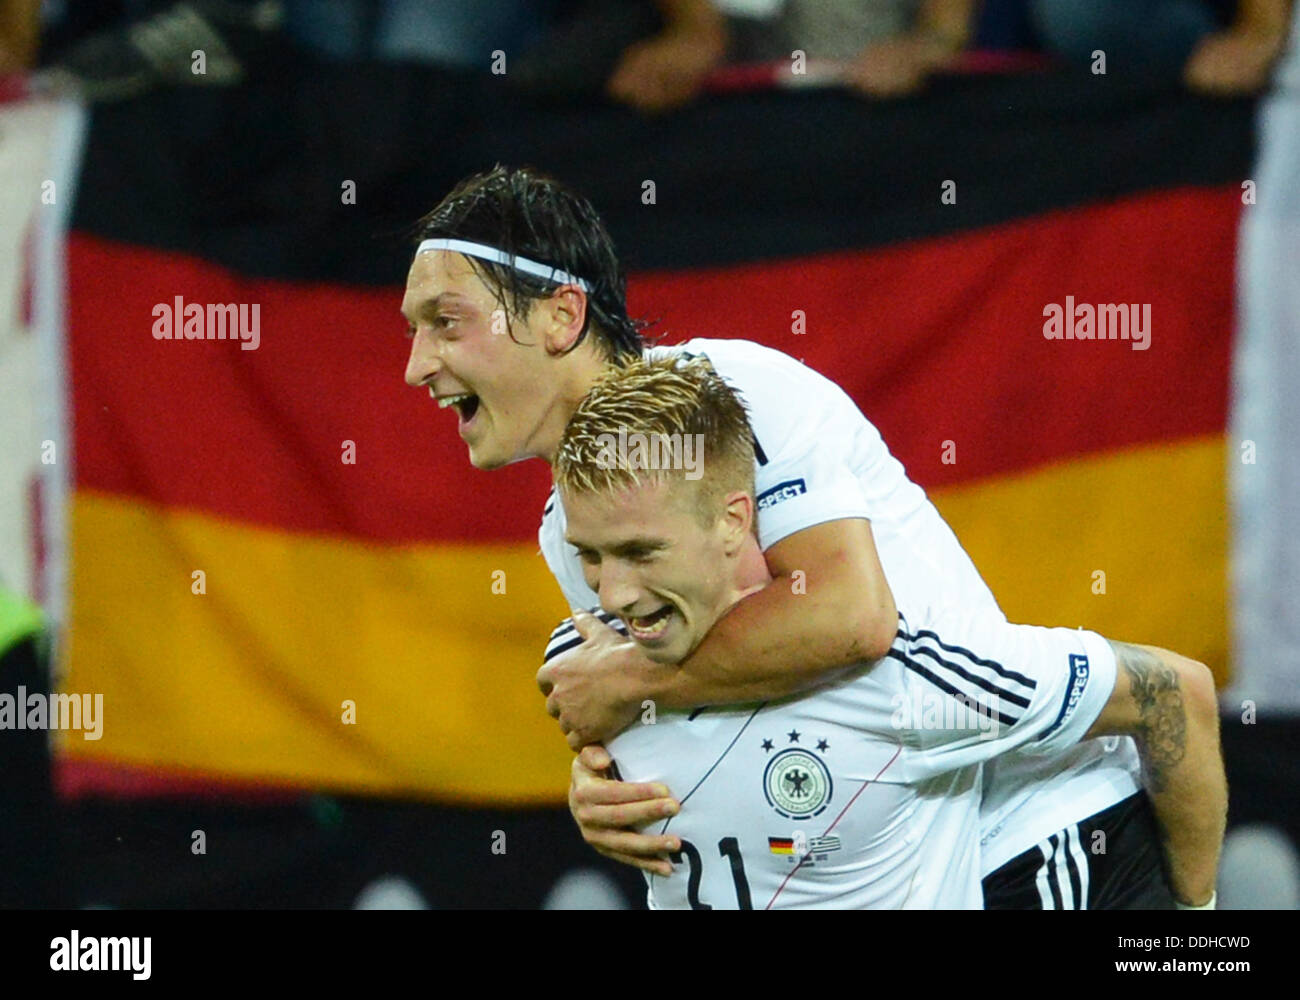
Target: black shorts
[{"x": 1109, "y": 861}]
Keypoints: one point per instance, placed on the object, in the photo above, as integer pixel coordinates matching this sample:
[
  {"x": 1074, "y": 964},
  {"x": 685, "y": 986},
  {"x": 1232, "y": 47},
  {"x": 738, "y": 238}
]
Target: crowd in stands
[{"x": 652, "y": 55}]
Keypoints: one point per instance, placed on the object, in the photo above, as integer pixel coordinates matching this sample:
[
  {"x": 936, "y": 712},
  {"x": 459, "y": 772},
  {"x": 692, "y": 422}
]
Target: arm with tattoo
[{"x": 1166, "y": 702}]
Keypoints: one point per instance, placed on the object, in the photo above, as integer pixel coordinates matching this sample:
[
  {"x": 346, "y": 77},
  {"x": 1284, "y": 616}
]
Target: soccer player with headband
[{"x": 514, "y": 333}]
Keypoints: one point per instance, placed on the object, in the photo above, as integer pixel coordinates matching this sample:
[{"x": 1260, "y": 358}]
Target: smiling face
[
  {"x": 646, "y": 551},
  {"x": 503, "y": 382}
]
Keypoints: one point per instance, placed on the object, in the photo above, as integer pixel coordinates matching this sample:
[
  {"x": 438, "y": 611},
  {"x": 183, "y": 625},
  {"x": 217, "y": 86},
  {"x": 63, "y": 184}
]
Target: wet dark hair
[{"x": 529, "y": 214}]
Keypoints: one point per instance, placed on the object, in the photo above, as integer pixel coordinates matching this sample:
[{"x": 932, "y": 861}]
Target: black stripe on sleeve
[
  {"x": 975, "y": 679},
  {"x": 943, "y": 685},
  {"x": 977, "y": 660}
]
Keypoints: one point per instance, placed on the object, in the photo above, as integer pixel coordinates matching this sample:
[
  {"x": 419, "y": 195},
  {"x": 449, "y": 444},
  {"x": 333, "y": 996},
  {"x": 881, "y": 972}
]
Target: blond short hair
[{"x": 681, "y": 409}]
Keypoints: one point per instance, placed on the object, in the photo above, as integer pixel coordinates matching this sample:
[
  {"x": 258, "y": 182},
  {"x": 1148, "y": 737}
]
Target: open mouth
[
  {"x": 466, "y": 405},
  {"x": 647, "y": 628}
]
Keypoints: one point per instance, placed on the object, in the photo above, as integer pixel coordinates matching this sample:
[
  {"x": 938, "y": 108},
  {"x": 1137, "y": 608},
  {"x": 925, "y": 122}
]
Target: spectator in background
[
  {"x": 460, "y": 34},
  {"x": 905, "y": 46},
  {"x": 889, "y": 47},
  {"x": 668, "y": 69},
  {"x": 125, "y": 47},
  {"x": 1219, "y": 47},
  {"x": 146, "y": 44},
  {"x": 152, "y": 44}
]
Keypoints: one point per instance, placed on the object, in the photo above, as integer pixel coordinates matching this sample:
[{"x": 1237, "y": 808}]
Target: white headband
[{"x": 484, "y": 252}]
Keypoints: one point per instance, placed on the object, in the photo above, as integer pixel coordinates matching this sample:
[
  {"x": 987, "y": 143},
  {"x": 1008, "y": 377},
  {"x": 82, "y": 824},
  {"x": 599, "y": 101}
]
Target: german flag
[{"x": 284, "y": 572}]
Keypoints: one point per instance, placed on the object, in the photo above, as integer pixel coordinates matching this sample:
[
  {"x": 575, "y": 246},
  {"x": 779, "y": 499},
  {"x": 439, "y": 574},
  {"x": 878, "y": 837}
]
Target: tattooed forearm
[
  {"x": 1166, "y": 702},
  {"x": 1159, "y": 700}
]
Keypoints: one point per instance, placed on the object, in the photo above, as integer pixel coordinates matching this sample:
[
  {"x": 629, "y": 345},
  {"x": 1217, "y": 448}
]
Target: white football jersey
[
  {"x": 818, "y": 459},
  {"x": 865, "y": 793}
]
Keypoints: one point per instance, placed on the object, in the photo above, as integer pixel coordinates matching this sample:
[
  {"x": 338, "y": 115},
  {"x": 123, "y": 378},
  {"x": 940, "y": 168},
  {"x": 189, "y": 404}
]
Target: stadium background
[{"x": 373, "y": 582}]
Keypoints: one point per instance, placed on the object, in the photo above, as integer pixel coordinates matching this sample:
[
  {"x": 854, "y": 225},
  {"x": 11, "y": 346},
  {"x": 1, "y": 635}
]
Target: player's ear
[
  {"x": 738, "y": 520},
  {"x": 564, "y": 314}
]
